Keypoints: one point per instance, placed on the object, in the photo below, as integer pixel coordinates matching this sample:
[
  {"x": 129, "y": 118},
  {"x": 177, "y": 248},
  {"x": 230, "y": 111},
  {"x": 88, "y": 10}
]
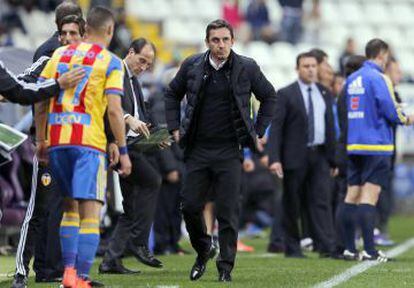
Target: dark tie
[
  {"x": 140, "y": 100},
  {"x": 311, "y": 122}
]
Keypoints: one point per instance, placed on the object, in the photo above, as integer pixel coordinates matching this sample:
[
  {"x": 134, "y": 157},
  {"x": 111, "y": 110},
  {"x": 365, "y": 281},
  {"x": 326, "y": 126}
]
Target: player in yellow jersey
[{"x": 77, "y": 141}]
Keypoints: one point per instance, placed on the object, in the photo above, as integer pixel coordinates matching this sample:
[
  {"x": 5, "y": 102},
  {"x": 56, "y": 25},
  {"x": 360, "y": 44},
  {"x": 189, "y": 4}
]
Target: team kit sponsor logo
[
  {"x": 354, "y": 90},
  {"x": 83, "y": 54},
  {"x": 68, "y": 118},
  {"x": 356, "y": 87},
  {"x": 46, "y": 179}
]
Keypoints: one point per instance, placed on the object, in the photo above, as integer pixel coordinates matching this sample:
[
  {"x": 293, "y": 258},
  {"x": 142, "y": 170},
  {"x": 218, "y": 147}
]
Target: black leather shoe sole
[
  {"x": 155, "y": 264},
  {"x": 224, "y": 277},
  {"x": 48, "y": 280},
  {"x": 116, "y": 270}
]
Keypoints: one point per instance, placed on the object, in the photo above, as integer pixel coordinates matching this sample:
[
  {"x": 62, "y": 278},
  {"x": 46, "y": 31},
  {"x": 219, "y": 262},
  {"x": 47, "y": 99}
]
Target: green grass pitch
[{"x": 257, "y": 269}]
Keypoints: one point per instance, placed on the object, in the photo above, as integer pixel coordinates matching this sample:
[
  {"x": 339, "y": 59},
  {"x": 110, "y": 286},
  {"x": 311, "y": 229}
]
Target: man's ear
[{"x": 108, "y": 30}]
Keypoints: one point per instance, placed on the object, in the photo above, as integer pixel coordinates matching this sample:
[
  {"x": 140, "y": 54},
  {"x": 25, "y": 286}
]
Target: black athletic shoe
[{"x": 19, "y": 281}]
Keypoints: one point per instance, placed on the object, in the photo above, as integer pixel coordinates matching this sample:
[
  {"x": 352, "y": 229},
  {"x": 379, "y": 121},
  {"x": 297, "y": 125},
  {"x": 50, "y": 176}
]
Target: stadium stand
[{"x": 177, "y": 28}]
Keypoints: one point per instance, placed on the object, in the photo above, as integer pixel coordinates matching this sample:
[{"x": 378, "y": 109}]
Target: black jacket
[
  {"x": 289, "y": 134},
  {"x": 25, "y": 93},
  {"x": 48, "y": 47},
  {"x": 245, "y": 77},
  {"x": 341, "y": 153}
]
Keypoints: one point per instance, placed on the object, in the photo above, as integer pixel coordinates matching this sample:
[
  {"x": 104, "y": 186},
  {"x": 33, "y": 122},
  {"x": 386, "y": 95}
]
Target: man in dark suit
[
  {"x": 302, "y": 151},
  {"x": 216, "y": 125},
  {"x": 139, "y": 190}
]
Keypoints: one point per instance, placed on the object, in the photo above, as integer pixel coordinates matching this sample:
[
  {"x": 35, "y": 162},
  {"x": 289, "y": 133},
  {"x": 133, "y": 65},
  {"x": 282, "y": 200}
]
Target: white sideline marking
[{"x": 358, "y": 269}]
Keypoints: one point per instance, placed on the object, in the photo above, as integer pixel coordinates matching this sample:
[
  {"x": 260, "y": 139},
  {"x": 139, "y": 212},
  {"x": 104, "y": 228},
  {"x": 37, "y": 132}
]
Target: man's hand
[
  {"x": 410, "y": 119},
  {"x": 264, "y": 160},
  {"x": 277, "y": 168},
  {"x": 173, "y": 176},
  {"x": 248, "y": 165},
  {"x": 261, "y": 142},
  {"x": 41, "y": 152},
  {"x": 113, "y": 154},
  {"x": 164, "y": 144},
  {"x": 2, "y": 99},
  {"x": 334, "y": 172},
  {"x": 176, "y": 135},
  {"x": 138, "y": 126},
  {"x": 71, "y": 79},
  {"x": 126, "y": 165}
]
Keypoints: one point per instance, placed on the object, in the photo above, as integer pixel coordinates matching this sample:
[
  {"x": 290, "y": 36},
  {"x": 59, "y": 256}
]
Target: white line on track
[{"x": 358, "y": 269}]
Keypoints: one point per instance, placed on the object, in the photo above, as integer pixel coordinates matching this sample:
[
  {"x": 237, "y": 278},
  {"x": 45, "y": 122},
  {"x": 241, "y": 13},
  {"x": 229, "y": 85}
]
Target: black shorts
[{"x": 374, "y": 169}]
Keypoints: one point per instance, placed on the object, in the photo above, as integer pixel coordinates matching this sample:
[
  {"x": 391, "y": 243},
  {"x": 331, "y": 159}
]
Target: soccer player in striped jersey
[
  {"x": 76, "y": 140},
  {"x": 39, "y": 233}
]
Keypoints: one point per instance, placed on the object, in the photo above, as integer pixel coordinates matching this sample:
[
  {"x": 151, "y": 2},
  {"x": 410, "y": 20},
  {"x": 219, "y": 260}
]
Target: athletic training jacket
[{"x": 372, "y": 111}]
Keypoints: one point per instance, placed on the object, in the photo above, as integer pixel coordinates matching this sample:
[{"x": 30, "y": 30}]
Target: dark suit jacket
[
  {"x": 341, "y": 153},
  {"x": 289, "y": 133},
  {"x": 128, "y": 99}
]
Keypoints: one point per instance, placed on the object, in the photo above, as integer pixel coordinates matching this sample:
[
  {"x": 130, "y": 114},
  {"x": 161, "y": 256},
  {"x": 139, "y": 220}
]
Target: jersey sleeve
[
  {"x": 384, "y": 93},
  {"x": 115, "y": 77},
  {"x": 49, "y": 70}
]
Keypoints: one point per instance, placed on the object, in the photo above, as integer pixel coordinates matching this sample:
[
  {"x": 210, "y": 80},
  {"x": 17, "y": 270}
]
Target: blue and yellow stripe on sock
[
  {"x": 88, "y": 244},
  {"x": 69, "y": 234}
]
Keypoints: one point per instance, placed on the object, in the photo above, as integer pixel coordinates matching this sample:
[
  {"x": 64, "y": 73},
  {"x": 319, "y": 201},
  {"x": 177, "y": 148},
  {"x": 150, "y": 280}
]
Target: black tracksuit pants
[{"x": 39, "y": 234}]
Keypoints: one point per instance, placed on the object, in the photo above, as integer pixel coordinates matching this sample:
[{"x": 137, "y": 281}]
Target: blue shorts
[
  {"x": 80, "y": 172},
  {"x": 374, "y": 169}
]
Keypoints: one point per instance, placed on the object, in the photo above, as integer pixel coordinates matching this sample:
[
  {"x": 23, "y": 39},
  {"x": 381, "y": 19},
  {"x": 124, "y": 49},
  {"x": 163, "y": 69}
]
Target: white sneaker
[
  {"x": 378, "y": 256},
  {"x": 350, "y": 256},
  {"x": 306, "y": 244}
]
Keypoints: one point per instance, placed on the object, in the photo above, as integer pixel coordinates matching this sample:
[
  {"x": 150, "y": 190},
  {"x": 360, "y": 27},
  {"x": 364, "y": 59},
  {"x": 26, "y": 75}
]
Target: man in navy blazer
[{"x": 302, "y": 153}]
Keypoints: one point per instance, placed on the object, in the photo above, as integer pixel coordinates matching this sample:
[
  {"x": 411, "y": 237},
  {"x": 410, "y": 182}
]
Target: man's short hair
[
  {"x": 217, "y": 24},
  {"x": 66, "y": 8},
  {"x": 374, "y": 47},
  {"x": 98, "y": 17},
  {"x": 353, "y": 63},
  {"x": 319, "y": 54},
  {"x": 73, "y": 19},
  {"x": 304, "y": 55},
  {"x": 138, "y": 44},
  {"x": 391, "y": 60}
]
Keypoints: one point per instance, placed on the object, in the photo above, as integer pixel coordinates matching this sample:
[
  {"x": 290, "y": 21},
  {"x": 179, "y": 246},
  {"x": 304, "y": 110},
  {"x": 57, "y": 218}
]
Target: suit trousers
[
  {"x": 224, "y": 177},
  {"x": 140, "y": 192},
  {"x": 309, "y": 186},
  {"x": 167, "y": 222}
]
